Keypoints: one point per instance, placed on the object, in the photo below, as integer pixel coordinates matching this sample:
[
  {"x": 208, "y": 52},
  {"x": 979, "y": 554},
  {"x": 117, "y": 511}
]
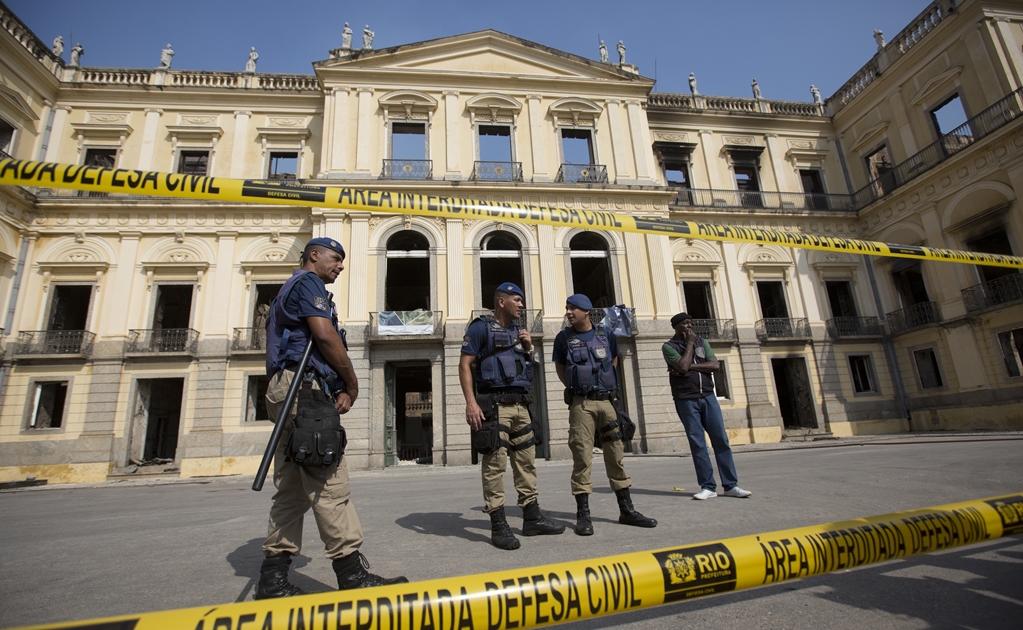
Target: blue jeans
[{"x": 704, "y": 414}]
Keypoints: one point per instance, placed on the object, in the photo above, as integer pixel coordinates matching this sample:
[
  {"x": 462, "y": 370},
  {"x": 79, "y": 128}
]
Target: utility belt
[
  {"x": 492, "y": 435},
  {"x": 317, "y": 439},
  {"x": 570, "y": 394},
  {"x": 331, "y": 384},
  {"x": 621, "y": 428}
]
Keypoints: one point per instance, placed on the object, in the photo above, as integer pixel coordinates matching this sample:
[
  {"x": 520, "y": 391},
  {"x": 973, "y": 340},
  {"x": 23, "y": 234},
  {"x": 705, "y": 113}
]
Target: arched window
[
  {"x": 500, "y": 262},
  {"x": 591, "y": 268},
  {"x": 407, "y": 285}
]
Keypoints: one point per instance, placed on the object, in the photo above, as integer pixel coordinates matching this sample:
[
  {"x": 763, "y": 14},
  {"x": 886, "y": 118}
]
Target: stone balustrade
[{"x": 664, "y": 100}]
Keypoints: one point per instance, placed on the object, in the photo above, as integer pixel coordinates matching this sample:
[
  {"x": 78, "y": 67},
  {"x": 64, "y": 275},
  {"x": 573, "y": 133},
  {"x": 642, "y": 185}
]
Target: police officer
[
  {"x": 498, "y": 413},
  {"x": 585, "y": 357},
  {"x": 304, "y": 308}
]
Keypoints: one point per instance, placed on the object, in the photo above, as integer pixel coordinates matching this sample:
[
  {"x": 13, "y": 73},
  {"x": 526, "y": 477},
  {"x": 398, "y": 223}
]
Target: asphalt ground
[{"x": 86, "y": 551}]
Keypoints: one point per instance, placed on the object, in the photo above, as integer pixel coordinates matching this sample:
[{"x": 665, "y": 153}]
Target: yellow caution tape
[
  {"x": 539, "y": 596},
  {"x": 109, "y": 180}
]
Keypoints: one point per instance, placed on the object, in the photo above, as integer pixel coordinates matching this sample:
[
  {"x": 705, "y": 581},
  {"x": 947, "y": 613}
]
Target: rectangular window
[
  {"x": 772, "y": 300},
  {"x": 1011, "y": 343},
  {"x": 408, "y": 141},
  {"x": 992, "y": 242},
  {"x": 909, "y": 282},
  {"x": 840, "y": 298},
  {"x": 948, "y": 116},
  {"x": 677, "y": 174},
  {"x": 283, "y": 166},
  {"x": 193, "y": 162},
  {"x": 6, "y": 137},
  {"x": 255, "y": 408},
  {"x": 927, "y": 368},
  {"x": 495, "y": 143},
  {"x": 577, "y": 146},
  {"x": 104, "y": 158},
  {"x": 879, "y": 165},
  {"x": 721, "y": 381},
  {"x": 698, "y": 299},
  {"x": 48, "y": 411},
  {"x": 862, "y": 374},
  {"x": 813, "y": 186}
]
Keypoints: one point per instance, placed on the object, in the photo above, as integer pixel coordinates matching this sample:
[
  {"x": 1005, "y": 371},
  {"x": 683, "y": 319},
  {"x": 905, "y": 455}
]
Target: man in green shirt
[{"x": 691, "y": 363}]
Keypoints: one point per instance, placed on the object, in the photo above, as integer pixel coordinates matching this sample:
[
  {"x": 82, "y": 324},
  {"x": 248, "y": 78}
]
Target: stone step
[{"x": 806, "y": 435}]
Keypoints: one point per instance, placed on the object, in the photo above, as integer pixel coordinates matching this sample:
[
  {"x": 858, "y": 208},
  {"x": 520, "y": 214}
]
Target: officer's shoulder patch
[
  {"x": 465, "y": 341},
  {"x": 320, "y": 303}
]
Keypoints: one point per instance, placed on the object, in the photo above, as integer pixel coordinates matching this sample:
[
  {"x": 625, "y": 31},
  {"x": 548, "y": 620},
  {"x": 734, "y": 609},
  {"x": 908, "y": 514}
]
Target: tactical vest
[
  {"x": 692, "y": 384},
  {"x": 589, "y": 367},
  {"x": 503, "y": 363},
  {"x": 287, "y": 335}
]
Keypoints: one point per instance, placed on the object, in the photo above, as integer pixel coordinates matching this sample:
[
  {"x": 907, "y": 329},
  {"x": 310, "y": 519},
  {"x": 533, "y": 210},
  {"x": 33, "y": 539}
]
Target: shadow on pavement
[
  {"x": 447, "y": 524},
  {"x": 247, "y": 559},
  {"x": 972, "y": 587}
]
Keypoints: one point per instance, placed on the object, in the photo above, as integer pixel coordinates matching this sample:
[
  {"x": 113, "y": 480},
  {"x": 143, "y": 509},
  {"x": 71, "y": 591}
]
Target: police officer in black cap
[
  {"x": 585, "y": 357},
  {"x": 498, "y": 413},
  {"x": 305, "y": 308}
]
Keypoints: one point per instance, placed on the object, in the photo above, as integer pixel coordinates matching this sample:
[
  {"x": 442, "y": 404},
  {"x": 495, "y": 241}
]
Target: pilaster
[
  {"x": 552, "y": 303},
  {"x": 365, "y": 132},
  {"x": 241, "y": 136},
  {"x": 536, "y": 136},
  {"x": 357, "y": 277},
  {"x": 621, "y": 165},
  {"x": 57, "y": 133},
  {"x": 456, "y": 270},
  {"x": 640, "y": 141},
  {"x": 452, "y": 170},
  {"x": 148, "y": 148},
  {"x": 634, "y": 262}
]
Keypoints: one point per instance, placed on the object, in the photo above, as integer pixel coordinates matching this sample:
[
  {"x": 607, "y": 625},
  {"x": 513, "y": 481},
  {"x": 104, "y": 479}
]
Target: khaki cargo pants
[
  {"x": 514, "y": 417},
  {"x": 584, "y": 417},
  {"x": 326, "y": 490}
]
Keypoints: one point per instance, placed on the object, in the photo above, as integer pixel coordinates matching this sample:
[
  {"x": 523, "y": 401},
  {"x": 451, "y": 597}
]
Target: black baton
[{"x": 275, "y": 436}]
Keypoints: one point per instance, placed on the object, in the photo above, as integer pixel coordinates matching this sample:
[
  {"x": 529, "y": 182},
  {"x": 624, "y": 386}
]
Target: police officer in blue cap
[
  {"x": 585, "y": 357},
  {"x": 498, "y": 413},
  {"x": 302, "y": 309}
]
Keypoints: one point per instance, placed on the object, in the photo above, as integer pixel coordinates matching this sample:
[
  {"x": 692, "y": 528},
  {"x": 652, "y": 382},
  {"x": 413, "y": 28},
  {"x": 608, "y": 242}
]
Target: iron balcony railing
[
  {"x": 714, "y": 328},
  {"x": 782, "y": 328},
  {"x": 249, "y": 340},
  {"x": 582, "y": 174},
  {"x": 157, "y": 340},
  {"x": 286, "y": 177},
  {"x": 707, "y": 198},
  {"x": 998, "y": 115},
  {"x": 406, "y": 325},
  {"x": 913, "y": 317},
  {"x": 999, "y": 291},
  {"x": 65, "y": 342},
  {"x": 597, "y": 316},
  {"x": 531, "y": 320},
  {"x": 489, "y": 171},
  {"x": 407, "y": 169},
  {"x": 844, "y": 327}
]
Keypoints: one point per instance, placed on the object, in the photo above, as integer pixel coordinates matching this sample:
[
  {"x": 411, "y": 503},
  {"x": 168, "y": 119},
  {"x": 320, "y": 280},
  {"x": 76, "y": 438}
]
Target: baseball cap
[
  {"x": 580, "y": 301},
  {"x": 511, "y": 288},
  {"x": 329, "y": 243}
]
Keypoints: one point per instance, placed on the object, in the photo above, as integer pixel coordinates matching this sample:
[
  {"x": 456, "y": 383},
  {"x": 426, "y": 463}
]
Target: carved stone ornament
[
  {"x": 79, "y": 256},
  {"x": 672, "y": 137},
  {"x": 802, "y": 144},
  {"x": 740, "y": 140},
  {"x": 112, "y": 117},
  {"x": 281, "y": 121},
  {"x": 180, "y": 256},
  {"x": 832, "y": 258},
  {"x": 275, "y": 256},
  {"x": 198, "y": 120},
  {"x": 694, "y": 256},
  {"x": 764, "y": 257}
]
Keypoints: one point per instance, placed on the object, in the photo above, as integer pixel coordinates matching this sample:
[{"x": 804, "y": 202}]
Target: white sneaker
[
  {"x": 737, "y": 492},
  {"x": 705, "y": 494}
]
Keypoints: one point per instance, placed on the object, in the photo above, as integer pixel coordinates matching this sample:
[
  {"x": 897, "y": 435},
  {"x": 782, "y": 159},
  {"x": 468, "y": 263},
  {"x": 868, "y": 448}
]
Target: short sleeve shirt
[
  {"x": 560, "y": 354},
  {"x": 671, "y": 354},
  {"x": 475, "y": 340},
  {"x": 309, "y": 298}
]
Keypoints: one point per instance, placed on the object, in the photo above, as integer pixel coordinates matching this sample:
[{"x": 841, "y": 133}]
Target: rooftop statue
[
  {"x": 603, "y": 52},
  {"x": 346, "y": 37},
  {"x": 692, "y": 84},
  {"x": 166, "y": 57},
  {"x": 816, "y": 95},
  {"x": 621, "y": 52},
  {"x": 879, "y": 38},
  {"x": 76, "y": 54},
  {"x": 756, "y": 90},
  {"x": 367, "y": 38},
  {"x": 58, "y": 46},
  {"x": 250, "y": 65}
]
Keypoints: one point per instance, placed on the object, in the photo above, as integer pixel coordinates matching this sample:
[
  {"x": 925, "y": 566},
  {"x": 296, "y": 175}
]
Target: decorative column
[
  {"x": 987, "y": 77},
  {"x": 634, "y": 256},
  {"x": 617, "y": 141},
  {"x": 777, "y": 162},
  {"x": 57, "y": 133},
  {"x": 119, "y": 294},
  {"x": 641, "y": 145},
  {"x": 334, "y": 145},
  {"x": 552, "y": 305},
  {"x": 1013, "y": 52},
  {"x": 241, "y": 136},
  {"x": 710, "y": 160},
  {"x": 332, "y": 226},
  {"x": 216, "y": 318},
  {"x": 44, "y": 119},
  {"x": 452, "y": 171},
  {"x": 456, "y": 270},
  {"x": 662, "y": 276},
  {"x": 149, "y": 138},
  {"x": 365, "y": 132},
  {"x": 536, "y": 136},
  {"x": 356, "y": 267},
  {"x": 902, "y": 122}
]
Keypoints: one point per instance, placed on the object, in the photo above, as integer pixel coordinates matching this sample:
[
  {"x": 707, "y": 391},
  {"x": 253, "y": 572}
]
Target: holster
[
  {"x": 569, "y": 393},
  {"x": 317, "y": 439},
  {"x": 622, "y": 428},
  {"x": 489, "y": 438}
]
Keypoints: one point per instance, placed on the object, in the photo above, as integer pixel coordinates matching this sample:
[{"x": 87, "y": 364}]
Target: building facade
[{"x": 132, "y": 325}]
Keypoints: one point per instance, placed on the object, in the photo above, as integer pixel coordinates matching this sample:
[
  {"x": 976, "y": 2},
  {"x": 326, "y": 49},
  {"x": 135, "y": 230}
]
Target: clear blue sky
[{"x": 785, "y": 44}]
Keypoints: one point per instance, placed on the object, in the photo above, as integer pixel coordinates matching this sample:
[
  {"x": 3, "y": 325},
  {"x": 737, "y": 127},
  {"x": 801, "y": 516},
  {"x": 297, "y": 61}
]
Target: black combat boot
[
  {"x": 352, "y": 572},
  {"x": 500, "y": 534},
  {"x": 534, "y": 523},
  {"x": 273, "y": 579},
  {"x": 583, "y": 526},
  {"x": 629, "y": 515}
]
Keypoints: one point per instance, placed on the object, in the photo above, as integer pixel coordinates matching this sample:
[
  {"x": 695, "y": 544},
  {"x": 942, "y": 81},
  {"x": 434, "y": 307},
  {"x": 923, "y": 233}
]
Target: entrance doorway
[
  {"x": 154, "y": 429},
  {"x": 408, "y": 418},
  {"x": 795, "y": 398}
]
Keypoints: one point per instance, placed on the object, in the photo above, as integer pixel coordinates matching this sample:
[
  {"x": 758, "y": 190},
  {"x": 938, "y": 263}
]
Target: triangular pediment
[{"x": 482, "y": 53}]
